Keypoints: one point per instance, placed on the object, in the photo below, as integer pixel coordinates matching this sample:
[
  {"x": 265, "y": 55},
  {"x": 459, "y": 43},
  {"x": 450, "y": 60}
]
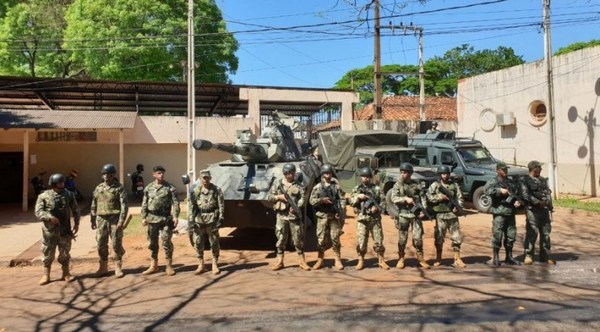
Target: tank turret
[{"x": 248, "y": 152}]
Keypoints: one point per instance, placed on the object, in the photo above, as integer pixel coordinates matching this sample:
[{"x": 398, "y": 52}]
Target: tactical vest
[
  {"x": 206, "y": 201},
  {"x": 443, "y": 206},
  {"x": 108, "y": 199},
  {"x": 159, "y": 199},
  {"x": 293, "y": 190}
]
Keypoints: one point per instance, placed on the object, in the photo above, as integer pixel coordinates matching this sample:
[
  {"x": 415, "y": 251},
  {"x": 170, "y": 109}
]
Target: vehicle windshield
[
  {"x": 476, "y": 154},
  {"x": 393, "y": 158}
]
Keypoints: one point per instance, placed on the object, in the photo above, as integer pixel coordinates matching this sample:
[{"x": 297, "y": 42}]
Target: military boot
[
  {"x": 400, "y": 264},
  {"x": 66, "y": 276},
  {"x": 361, "y": 262},
  {"x": 153, "y": 267},
  {"x": 278, "y": 263},
  {"x": 169, "y": 269},
  {"x": 302, "y": 263},
  {"x": 319, "y": 263},
  {"x": 421, "y": 260},
  {"x": 382, "y": 263},
  {"x": 509, "y": 258},
  {"x": 338, "y": 262},
  {"x": 215, "y": 265},
  {"x": 528, "y": 260},
  {"x": 119, "y": 269},
  {"x": 438, "y": 257},
  {"x": 200, "y": 268},
  {"x": 457, "y": 261},
  {"x": 46, "y": 276},
  {"x": 495, "y": 259},
  {"x": 102, "y": 268}
]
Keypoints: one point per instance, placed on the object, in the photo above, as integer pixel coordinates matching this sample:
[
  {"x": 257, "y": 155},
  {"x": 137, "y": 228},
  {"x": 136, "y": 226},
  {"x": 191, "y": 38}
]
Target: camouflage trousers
[
  {"x": 329, "y": 231},
  {"x": 107, "y": 227},
  {"x": 538, "y": 223},
  {"x": 213, "y": 239},
  {"x": 503, "y": 227},
  {"x": 403, "y": 224},
  {"x": 166, "y": 233},
  {"x": 52, "y": 240},
  {"x": 284, "y": 227},
  {"x": 447, "y": 222},
  {"x": 363, "y": 228}
]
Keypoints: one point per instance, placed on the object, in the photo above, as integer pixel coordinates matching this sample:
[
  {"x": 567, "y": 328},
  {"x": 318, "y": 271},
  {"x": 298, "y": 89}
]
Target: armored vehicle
[
  {"x": 382, "y": 150},
  {"x": 255, "y": 165},
  {"x": 469, "y": 159}
]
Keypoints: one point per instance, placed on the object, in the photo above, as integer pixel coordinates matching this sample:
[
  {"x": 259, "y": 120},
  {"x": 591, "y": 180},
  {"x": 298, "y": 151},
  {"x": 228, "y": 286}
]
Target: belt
[
  {"x": 207, "y": 210},
  {"x": 159, "y": 213}
]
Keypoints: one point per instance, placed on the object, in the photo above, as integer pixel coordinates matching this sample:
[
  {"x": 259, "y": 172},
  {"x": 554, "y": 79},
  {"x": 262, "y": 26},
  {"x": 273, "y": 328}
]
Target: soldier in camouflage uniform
[
  {"x": 109, "y": 209},
  {"x": 207, "y": 207},
  {"x": 288, "y": 220},
  {"x": 365, "y": 198},
  {"x": 160, "y": 212},
  {"x": 54, "y": 208},
  {"x": 330, "y": 205},
  {"x": 538, "y": 201},
  {"x": 446, "y": 218},
  {"x": 405, "y": 193},
  {"x": 505, "y": 203}
]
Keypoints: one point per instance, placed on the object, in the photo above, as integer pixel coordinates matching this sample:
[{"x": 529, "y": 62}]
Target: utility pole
[
  {"x": 377, "y": 47},
  {"x": 552, "y": 171},
  {"x": 191, "y": 109}
]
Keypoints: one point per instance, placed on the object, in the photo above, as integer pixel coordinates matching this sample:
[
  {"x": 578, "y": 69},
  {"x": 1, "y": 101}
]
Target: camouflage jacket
[
  {"x": 363, "y": 208},
  {"x": 60, "y": 205},
  {"x": 434, "y": 196},
  {"x": 109, "y": 200},
  {"x": 536, "y": 193},
  {"x": 160, "y": 202},
  {"x": 331, "y": 190},
  {"x": 207, "y": 205},
  {"x": 294, "y": 190},
  {"x": 403, "y": 190},
  {"x": 500, "y": 205}
]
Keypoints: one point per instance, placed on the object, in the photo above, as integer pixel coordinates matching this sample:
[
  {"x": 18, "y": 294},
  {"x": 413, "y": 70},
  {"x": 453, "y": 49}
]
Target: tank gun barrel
[{"x": 250, "y": 151}]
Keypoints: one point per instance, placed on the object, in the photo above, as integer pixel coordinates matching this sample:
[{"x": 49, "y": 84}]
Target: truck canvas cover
[{"x": 338, "y": 147}]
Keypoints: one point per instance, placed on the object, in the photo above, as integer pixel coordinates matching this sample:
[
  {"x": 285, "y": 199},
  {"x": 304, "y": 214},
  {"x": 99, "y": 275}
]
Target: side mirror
[{"x": 185, "y": 178}]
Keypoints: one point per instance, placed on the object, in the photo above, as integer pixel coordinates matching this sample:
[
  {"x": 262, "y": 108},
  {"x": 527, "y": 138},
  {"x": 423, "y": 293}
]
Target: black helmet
[
  {"x": 109, "y": 168},
  {"x": 365, "y": 171},
  {"x": 139, "y": 167},
  {"x": 326, "y": 168},
  {"x": 434, "y": 123},
  {"x": 289, "y": 168},
  {"x": 56, "y": 178},
  {"x": 407, "y": 167},
  {"x": 443, "y": 169}
]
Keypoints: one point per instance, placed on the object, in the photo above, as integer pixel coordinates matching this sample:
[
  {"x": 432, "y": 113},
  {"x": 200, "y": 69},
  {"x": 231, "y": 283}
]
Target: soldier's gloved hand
[
  {"x": 326, "y": 200},
  {"x": 282, "y": 198},
  {"x": 410, "y": 201},
  {"x": 144, "y": 222},
  {"x": 93, "y": 221}
]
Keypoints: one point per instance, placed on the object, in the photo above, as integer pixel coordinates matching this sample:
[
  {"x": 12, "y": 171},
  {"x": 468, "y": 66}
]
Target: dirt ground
[{"x": 247, "y": 295}]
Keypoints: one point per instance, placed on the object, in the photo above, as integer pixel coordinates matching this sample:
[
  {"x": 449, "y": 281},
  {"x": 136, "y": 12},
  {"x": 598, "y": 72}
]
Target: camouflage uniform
[
  {"x": 503, "y": 210},
  {"x": 160, "y": 207},
  {"x": 109, "y": 207},
  {"x": 368, "y": 222},
  {"x": 208, "y": 208},
  {"x": 329, "y": 228},
  {"x": 538, "y": 202},
  {"x": 406, "y": 218},
  {"x": 446, "y": 220},
  {"x": 60, "y": 205},
  {"x": 287, "y": 222}
]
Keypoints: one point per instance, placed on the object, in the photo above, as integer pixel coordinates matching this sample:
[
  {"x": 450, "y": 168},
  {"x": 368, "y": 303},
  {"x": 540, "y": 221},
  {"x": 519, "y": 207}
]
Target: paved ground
[{"x": 248, "y": 296}]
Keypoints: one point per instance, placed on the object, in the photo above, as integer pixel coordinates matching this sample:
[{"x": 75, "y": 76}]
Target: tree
[
  {"x": 147, "y": 39},
  {"x": 30, "y": 39},
  {"x": 577, "y": 46}
]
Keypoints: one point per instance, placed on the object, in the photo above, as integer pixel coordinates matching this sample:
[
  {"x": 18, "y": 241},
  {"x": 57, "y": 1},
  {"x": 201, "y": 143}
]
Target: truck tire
[
  {"x": 392, "y": 209},
  {"x": 481, "y": 201}
]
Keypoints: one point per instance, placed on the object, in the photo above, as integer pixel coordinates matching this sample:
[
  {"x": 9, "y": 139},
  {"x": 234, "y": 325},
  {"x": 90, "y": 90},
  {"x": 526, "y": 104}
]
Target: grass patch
[
  {"x": 135, "y": 226},
  {"x": 574, "y": 203}
]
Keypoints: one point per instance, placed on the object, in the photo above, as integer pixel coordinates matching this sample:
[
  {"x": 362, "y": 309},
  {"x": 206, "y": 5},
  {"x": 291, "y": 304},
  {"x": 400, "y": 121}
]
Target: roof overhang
[{"x": 77, "y": 120}]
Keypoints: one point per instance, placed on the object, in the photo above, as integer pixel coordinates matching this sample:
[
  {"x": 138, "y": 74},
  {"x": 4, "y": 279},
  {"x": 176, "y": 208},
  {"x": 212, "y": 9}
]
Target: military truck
[
  {"x": 471, "y": 163},
  {"x": 255, "y": 165},
  {"x": 382, "y": 150}
]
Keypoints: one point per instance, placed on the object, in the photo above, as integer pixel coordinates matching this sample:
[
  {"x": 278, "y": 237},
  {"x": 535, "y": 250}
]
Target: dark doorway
[{"x": 11, "y": 179}]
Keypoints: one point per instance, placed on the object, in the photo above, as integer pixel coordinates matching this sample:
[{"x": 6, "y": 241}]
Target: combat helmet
[
  {"x": 407, "y": 167},
  {"x": 326, "y": 168},
  {"x": 443, "y": 169},
  {"x": 109, "y": 169},
  {"x": 289, "y": 168},
  {"x": 56, "y": 178},
  {"x": 365, "y": 171}
]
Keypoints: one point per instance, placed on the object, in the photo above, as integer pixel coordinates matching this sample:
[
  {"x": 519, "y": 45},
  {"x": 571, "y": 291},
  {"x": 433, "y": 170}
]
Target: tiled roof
[
  {"x": 407, "y": 108},
  {"x": 38, "y": 119},
  {"x": 327, "y": 126}
]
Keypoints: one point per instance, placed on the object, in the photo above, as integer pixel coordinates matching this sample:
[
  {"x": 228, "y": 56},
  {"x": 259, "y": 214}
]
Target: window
[{"x": 537, "y": 113}]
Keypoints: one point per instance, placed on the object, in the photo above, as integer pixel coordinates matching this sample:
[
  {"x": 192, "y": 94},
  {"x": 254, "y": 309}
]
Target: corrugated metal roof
[{"x": 39, "y": 119}]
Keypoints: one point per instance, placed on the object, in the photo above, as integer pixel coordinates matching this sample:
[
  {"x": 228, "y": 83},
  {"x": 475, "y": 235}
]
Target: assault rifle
[
  {"x": 418, "y": 207},
  {"x": 291, "y": 202},
  {"x": 452, "y": 202},
  {"x": 64, "y": 227},
  {"x": 370, "y": 202},
  {"x": 512, "y": 197},
  {"x": 331, "y": 193}
]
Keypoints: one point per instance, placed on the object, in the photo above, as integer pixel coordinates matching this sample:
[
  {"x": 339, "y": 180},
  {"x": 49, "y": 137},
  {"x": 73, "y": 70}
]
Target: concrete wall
[{"x": 517, "y": 89}]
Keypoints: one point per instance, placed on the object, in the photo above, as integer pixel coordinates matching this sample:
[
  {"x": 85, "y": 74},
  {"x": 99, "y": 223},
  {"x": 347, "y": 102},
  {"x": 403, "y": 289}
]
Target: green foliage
[
  {"x": 574, "y": 203},
  {"x": 577, "y": 46}
]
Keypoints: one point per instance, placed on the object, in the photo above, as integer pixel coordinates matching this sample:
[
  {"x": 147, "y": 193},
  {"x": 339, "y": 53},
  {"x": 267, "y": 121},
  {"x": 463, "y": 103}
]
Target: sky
[{"x": 313, "y": 43}]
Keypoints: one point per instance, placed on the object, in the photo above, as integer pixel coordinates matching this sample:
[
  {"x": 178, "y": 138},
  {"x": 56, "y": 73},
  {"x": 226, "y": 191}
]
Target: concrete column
[
  {"x": 254, "y": 113},
  {"x": 121, "y": 158},
  {"x": 346, "y": 116},
  {"x": 25, "y": 170}
]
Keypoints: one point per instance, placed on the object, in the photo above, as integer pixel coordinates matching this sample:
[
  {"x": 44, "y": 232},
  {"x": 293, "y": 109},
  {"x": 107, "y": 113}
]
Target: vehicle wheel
[
  {"x": 481, "y": 201},
  {"x": 392, "y": 209}
]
